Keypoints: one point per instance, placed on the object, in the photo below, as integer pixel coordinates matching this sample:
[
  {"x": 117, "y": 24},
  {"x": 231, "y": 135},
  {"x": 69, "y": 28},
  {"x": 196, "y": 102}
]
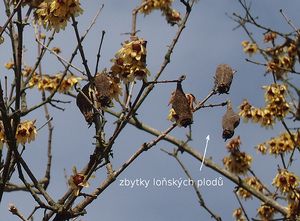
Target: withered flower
[
  {"x": 103, "y": 89},
  {"x": 230, "y": 121},
  {"x": 181, "y": 107},
  {"x": 223, "y": 78},
  {"x": 84, "y": 104},
  {"x": 77, "y": 181}
]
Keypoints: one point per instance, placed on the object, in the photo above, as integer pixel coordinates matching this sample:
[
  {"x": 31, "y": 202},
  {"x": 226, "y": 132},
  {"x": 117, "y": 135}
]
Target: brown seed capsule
[
  {"x": 103, "y": 89},
  {"x": 84, "y": 105},
  {"x": 223, "y": 78},
  {"x": 230, "y": 121},
  {"x": 181, "y": 106}
]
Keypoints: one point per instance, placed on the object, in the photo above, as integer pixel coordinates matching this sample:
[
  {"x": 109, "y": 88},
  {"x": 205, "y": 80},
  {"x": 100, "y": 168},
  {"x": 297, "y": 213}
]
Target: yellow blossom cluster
[
  {"x": 286, "y": 181},
  {"x": 283, "y": 58},
  {"x": 237, "y": 162},
  {"x": 238, "y": 215},
  {"x": 26, "y": 132},
  {"x": 50, "y": 83},
  {"x": 54, "y": 14},
  {"x": 265, "y": 212},
  {"x": 275, "y": 99},
  {"x": 253, "y": 182},
  {"x": 276, "y": 106},
  {"x": 130, "y": 61},
  {"x": 249, "y": 48},
  {"x": 280, "y": 145},
  {"x": 165, "y": 6}
]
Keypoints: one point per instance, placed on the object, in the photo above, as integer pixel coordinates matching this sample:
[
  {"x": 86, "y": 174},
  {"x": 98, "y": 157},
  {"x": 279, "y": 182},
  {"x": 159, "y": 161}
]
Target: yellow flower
[
  {"x": 262, "y": 148},
  {"x": 155, "y": 4},
  {"x": 280, "y": 145},
  {"x": 26, "y": 132},
  {"x": 34, "y": 80},
  {"x": 130, "y": 61},
  {"x": 77, "y": 181},
  {"x": 54, "y": 14},
  {"x": 286, "y": 181},
  {"x": 57, "y": 50},
  {"x": 237, "y": 162},
  {"x": 249, "y": 48},
  {"x": 246, "y": 110},
  {"x": 234, "y": 144},
  {"x": 238, "y": 214},
  {"x": 67, "y": 84},
  {"x": 9, "y": 65},
  {"x": 253, "y": 182},
  {"x": 26, "y": 71},
  {"x": 172, "y": 116},
  {"x": 265, "y": 212},
  {"x": 172, "y": 16}
]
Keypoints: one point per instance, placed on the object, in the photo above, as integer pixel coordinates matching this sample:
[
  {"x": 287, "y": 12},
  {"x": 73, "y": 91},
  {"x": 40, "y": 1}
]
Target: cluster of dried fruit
[{"x": 98, "y": 95}]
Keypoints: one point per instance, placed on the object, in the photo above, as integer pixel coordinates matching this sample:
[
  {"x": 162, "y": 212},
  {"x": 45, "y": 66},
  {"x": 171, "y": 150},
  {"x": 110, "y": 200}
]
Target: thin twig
[
  {"x": 80, "y": 47},
  {"x": 241, "y": 205},
  {"x": 111, "y": 179},
  {"x": 10, "y": 17},
  {"x": 208, "y": 162},
  {"x": 99, "y": 51},
  {"x": 196, "y": 189}
]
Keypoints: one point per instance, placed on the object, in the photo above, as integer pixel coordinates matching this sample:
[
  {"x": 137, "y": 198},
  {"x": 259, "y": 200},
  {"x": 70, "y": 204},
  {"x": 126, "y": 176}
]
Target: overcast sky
[{"x": 208, "y": 40}]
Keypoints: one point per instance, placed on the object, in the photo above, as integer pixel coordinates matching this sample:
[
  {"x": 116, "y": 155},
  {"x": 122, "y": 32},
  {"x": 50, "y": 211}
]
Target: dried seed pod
[
  {"x": 230, "y": 121},
  {"x": 181, "y": 106},
  {"x": 223, "y": 78},
  {"x": 84, "y": 105},
  {"x": 102, "y": 84}
]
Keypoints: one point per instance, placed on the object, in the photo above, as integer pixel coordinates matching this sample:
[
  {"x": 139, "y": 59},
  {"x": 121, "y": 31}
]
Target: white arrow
[{"x": 206, "y": 145}]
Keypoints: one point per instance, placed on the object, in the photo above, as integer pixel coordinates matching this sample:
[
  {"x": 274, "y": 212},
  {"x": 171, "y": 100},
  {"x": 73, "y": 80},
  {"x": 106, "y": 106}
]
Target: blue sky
[{"x": 208, "y": 40}]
